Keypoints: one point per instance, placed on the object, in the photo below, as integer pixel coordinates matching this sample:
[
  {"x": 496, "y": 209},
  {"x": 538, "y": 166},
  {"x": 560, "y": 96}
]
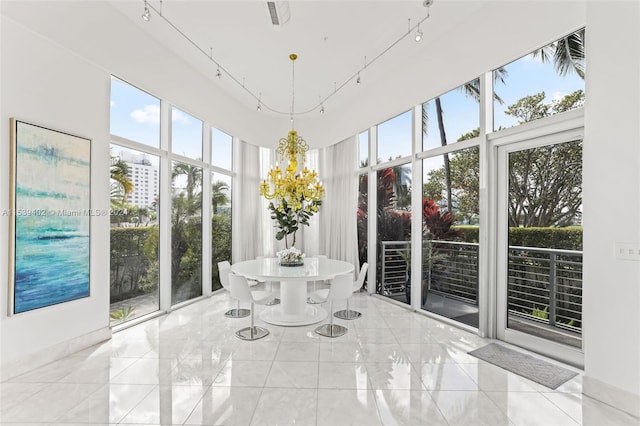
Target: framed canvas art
[{"x": 50, "y": 217}]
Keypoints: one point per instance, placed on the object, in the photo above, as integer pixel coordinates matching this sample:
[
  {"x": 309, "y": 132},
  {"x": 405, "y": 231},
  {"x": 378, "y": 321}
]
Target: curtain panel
[
  {"x": 338, "y": 233},
  {"x": 247, "y": 235}
]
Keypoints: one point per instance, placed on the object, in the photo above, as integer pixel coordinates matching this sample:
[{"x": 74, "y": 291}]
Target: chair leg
[
  {"x": 347, "y": 314},
  {"x": 252, "y": 332},
  {"x": 237, "y": 313},
  {"x": 331, "y": 329}
]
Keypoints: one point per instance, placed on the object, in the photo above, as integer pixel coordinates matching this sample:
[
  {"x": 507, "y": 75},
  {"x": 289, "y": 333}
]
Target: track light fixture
[
  {"x": 146, "y": 15},
  {"x": 418, "y": 37}
]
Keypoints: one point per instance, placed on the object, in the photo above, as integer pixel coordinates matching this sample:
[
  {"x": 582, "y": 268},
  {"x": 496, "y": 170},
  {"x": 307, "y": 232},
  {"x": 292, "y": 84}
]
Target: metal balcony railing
[
  {"x": 395, "y": 255},
  {"x": 544, "y": 285}
]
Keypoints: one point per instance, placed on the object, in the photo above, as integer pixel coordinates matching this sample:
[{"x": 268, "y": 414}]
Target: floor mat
[{"x": 537, "y": 370}]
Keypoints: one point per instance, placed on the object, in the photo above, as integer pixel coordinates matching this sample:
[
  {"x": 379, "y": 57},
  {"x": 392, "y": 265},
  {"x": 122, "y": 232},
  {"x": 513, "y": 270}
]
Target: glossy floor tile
[{"x": 393, "y": 367}]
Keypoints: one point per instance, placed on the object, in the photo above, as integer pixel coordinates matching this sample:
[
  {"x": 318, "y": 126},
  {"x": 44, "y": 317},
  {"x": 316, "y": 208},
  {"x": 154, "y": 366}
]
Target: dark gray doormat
[{"x": 524, "y": 365}]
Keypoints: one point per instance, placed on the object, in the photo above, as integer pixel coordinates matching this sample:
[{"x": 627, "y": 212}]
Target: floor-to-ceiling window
[
  {"x": 139, "y": 196},
  {"x": 393, "y": 207},
  {"x": 528, "y": 152},
  {"x": 134, "y": 193},
  {"x": 221, "y": 159},
  {"x": 186, "y": 207},
  {"x": 363, "y": 199},
  {"x": 450, "y": 204}
]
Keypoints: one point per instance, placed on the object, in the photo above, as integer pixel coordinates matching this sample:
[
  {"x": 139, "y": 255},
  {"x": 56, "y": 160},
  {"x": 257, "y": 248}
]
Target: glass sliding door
[{"x": 540, "y": 269}]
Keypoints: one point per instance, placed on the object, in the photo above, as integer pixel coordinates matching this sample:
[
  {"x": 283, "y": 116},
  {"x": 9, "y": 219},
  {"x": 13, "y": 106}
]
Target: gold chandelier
[{"x": 295, "y": 194}]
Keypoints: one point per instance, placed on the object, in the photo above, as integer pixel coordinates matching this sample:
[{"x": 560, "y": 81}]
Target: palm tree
[
  {"x": 218, "y": 195},
  {"x": 567, "y": 54},
  {"x": 193, "y": 189},
  {"x": 472, "y": 90},
  {"x": 121, "y": 184}
]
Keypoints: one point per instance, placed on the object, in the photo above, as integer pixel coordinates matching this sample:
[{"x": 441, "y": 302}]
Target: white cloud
[
  {"x": 178, "y": 116},
  {"x": 150, "y": 114},
  {"x": 112, "y": 104},
  {"x": 557, "y": 96}
]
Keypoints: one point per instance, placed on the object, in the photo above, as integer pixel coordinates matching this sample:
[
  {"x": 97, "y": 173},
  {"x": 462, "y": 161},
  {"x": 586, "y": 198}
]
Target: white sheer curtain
[
  {"x": 247, "y": 235},
  {"x": 338, "y": 233}
]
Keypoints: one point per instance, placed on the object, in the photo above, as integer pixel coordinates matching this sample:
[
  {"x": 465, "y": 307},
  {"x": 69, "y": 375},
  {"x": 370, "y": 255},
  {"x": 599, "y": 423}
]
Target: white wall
[
  {"x": 612, "y": 204},
  {"x": 45, "y": 85}
]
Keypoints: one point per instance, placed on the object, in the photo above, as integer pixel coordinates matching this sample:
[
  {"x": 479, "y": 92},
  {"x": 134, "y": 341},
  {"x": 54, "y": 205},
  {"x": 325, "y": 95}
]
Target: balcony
[{"x": 544, "y": 286}]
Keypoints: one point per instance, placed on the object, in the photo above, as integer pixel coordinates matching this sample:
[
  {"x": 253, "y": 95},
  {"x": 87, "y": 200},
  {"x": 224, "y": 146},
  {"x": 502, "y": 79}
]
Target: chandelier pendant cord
[{"x": 293, "y": 58}]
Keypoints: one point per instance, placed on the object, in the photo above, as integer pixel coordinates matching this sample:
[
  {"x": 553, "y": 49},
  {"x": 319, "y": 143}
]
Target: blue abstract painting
[{"x": 51, "y": 194}]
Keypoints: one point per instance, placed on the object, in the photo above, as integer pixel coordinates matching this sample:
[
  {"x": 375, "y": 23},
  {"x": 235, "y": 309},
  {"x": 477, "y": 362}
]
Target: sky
[
  {"x": 461, "y": 114},
  {"x": 135, "y": 115}
]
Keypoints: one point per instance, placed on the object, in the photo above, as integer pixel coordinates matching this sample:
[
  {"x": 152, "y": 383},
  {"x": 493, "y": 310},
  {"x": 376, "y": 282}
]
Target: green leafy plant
[
  {"x": 122, "y": 313},
  {"x": 540, "y": 313}
]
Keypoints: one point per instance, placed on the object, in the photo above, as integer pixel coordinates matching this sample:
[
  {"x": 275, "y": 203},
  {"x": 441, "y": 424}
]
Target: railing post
[
  {"x": 552, "y": 289},
  {"x": 384, "y": 264}
]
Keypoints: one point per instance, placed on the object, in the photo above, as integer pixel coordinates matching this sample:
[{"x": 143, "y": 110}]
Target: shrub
[{"x": 568, "y": 238}]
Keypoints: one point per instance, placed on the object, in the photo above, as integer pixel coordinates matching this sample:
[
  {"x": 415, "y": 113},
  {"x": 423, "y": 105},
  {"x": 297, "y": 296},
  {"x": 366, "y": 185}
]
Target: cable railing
[{"x": 544, "y": 285}]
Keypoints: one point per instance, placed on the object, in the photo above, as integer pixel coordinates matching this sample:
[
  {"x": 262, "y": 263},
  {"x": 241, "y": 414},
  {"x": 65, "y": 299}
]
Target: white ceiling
[
  {"x": 462, "y": 39},
  {"x": 331, "y": 39}
]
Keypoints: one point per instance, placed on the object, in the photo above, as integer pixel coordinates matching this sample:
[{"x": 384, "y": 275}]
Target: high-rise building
[{"x": 144, "y": 176}]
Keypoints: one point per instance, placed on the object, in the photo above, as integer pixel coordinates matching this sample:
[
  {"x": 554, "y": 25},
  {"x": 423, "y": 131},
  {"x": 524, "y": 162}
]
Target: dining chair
[
  {"x": 240, "y": 290},
  {"x": 341, "y": 288},
  {"x": 348, "y": 314},
  {"x": 224, "y": 271},
  {"x": 276, "y": 300},
  {"x": 310, "y": 300}
]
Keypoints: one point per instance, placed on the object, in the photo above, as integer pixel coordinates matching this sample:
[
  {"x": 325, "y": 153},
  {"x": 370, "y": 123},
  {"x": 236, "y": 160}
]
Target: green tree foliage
[
  {"x": 220, "y": 245},
  {"x": 121, "y": 184},
  {"x": 186, "y": 233},
  {"x": 129, "y": 261},
  {"x": 545, "y": 182},
  {"x": 219, "y": 190},
  {"x": 567, "y": 54},
  {"x": 464, "y": 168}
]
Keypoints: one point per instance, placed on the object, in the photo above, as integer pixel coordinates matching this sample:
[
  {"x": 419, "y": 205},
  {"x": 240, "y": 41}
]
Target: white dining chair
[
  {"x": 341, "y": 288},
  {"x": 224, "y": 271},
  {"x": 348, "y": 314},
  {"x": 240, "y": 290},
  {"x": 310, "y": 300},
  {"x": 276, "y": 300}
]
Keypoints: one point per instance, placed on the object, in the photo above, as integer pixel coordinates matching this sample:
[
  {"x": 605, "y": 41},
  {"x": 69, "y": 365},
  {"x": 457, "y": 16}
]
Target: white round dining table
[{"x": 293, "y": 309}]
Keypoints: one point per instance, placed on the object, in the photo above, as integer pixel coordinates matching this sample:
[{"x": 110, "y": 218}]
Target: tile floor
[{"x": 393, "y": 367}]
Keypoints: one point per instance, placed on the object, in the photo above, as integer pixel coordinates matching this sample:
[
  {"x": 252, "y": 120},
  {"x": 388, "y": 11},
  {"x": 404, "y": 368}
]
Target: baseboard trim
[
  {"x": 15, "y": 368},
  {"x": 611, "y": 395}
]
